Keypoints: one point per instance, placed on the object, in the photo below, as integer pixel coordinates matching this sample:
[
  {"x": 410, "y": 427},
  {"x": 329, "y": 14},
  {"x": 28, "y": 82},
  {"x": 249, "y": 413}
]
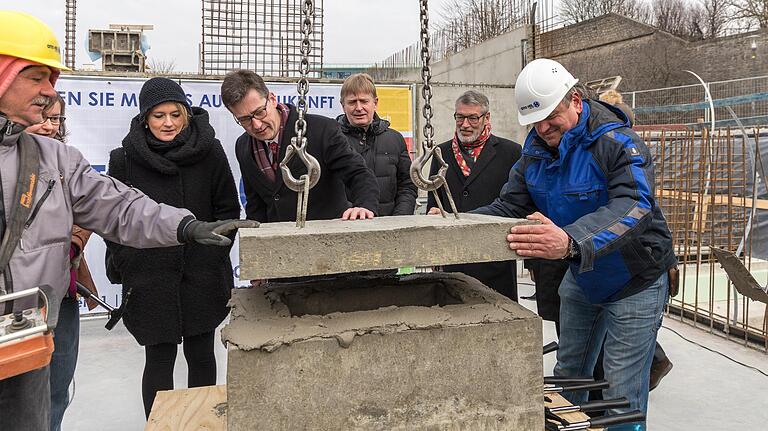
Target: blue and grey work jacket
[{"x": 600, "y": 190}]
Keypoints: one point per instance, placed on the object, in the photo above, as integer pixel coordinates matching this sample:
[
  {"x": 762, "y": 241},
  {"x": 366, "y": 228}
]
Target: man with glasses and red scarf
[{"x": 478, "y": 166}]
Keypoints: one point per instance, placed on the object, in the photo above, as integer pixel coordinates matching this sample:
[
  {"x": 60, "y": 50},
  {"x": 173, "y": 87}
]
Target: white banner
[{"x": 99, "y": 112}]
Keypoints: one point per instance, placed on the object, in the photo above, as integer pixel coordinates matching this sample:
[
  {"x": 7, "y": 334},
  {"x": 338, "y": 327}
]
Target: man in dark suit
[
  {"x": 478, "y": 166},
  {"x": 269, "y": 127}
]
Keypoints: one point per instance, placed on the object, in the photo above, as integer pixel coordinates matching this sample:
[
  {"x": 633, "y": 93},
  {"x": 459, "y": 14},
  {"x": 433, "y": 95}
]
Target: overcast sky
[{"x": 356, "y": 31}]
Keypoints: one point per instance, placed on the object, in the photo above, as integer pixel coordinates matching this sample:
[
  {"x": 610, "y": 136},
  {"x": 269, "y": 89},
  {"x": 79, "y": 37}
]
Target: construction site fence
[
  {"x": 711, "y": 189},
  {"x": 745, "y": 100}
]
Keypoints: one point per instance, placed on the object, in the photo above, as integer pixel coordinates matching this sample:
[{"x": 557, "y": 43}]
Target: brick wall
[{"x": 648, "y": 58}]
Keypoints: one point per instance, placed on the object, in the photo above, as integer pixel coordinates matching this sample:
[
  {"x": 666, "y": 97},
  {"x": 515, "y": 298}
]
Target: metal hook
[
  {"x": 434, "y": 182},
  {"x": 313, "y": 167}
]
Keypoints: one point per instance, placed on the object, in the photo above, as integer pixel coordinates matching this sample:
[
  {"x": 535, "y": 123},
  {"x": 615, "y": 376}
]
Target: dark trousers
[
  {"x": 160, "y": 359},
  {"x": 499, "y": 276},
  {"x": 25, "y": 401}
]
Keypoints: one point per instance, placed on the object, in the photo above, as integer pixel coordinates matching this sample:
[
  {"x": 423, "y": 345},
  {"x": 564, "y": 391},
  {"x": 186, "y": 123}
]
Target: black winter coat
[
  {"x": 386, "y": 154},
  {"x": 340, "y": 167},
  {"x": 483, "y": 185},
  {"x": 177, "y": 291}
]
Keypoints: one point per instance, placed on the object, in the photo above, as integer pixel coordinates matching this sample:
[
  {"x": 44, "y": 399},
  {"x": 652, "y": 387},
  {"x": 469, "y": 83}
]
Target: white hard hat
[{"x": 540, "y": 87}]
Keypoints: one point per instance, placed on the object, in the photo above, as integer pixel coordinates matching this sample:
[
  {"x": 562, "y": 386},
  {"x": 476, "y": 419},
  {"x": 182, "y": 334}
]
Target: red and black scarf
[
  {"x": 473, "y": 148},
  {"x": 269, "y": 169}
]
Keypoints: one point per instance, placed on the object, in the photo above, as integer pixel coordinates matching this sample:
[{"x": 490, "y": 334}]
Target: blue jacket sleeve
[{"x": 628, "y": 166}]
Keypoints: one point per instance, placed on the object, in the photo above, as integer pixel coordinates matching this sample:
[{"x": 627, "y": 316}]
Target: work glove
[{"x": 212, "y": 233}]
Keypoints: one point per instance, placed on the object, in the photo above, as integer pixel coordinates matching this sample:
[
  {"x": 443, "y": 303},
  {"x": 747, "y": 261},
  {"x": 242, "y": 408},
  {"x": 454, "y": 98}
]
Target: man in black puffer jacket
[{"x": 383, "y": 149}]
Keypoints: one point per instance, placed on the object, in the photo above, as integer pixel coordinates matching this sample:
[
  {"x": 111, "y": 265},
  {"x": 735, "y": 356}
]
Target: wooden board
[
  {"x": 278, "y": 250},
  {"x": 194, "y": 409},
  {"x": 559, "y": 401}
]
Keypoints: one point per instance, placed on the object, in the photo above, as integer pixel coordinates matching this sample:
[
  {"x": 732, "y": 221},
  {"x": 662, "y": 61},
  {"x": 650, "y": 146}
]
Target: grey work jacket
[{"x": 70, "y": 192}]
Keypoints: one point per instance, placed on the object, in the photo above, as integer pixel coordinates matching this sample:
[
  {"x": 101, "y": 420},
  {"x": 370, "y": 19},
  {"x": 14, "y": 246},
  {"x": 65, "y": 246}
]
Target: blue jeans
[
  {"x": 66, "y": 338},
  {"x": 25, "y": 401},
  {"x": 628, "y": 327}
]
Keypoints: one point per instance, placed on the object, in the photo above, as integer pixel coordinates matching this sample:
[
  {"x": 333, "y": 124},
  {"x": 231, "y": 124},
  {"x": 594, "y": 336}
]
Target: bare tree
[
  {"x": 754, "y": 12},
  {"x": 469, "y": 22},
  {"x": 690, "y": 19},
  {"x": 580, "y": 10},
  {"x": 161, "y": 67},
  {"x": 715, "y": 17}
]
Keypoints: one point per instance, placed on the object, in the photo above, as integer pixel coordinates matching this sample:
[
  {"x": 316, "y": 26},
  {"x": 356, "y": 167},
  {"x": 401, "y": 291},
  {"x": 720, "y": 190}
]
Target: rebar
[{"x": 260, "y": 35}]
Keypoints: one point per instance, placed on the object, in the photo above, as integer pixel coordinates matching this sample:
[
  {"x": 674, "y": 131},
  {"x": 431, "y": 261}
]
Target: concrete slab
[
  {"x": 278, "y": 250},
  {"x": 426, "y": 351}
]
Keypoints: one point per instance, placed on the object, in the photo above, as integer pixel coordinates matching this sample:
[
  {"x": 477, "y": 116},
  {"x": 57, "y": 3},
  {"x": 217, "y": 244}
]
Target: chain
[
  {"x": 426, "y": 77},
  {"x": 308, "y": 11},
  {"x": 429, "y": 150},
  {"x": 298, "y": 146}
]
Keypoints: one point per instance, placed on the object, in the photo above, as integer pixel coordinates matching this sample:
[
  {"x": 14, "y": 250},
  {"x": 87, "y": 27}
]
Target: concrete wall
[
  {"x": 503, "y": 112},
  {"x": 495, "y": 61},
  {"x": 731, "y": 57}
]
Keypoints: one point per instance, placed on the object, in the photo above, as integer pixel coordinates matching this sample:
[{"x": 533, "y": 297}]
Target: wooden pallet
[
  {"x": 559, "y": 401},
  {"x": 193, "y": 409}
]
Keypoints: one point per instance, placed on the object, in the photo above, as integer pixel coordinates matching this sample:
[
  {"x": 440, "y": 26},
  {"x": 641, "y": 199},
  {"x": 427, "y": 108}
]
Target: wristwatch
[{"x": 573, "y": 249}]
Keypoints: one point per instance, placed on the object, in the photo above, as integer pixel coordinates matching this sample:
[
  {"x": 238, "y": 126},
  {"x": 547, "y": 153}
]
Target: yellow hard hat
[{"x": 24, "y": 36}]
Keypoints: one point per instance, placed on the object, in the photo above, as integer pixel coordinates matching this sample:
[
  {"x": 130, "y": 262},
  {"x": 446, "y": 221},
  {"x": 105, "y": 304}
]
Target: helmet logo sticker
[{"x": 532, "y": 105}]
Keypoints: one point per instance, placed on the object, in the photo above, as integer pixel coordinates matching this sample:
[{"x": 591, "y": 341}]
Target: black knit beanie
[{"x": 157, "y": 91}]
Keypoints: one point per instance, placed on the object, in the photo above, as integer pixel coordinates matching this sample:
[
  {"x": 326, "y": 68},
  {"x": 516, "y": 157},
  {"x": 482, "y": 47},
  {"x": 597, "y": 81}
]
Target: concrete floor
[{"x": 704, "y": 391}]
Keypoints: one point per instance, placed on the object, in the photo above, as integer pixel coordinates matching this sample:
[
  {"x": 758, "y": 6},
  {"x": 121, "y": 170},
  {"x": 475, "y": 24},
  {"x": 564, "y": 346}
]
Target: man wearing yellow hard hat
[{"x": 45, "y": 187}]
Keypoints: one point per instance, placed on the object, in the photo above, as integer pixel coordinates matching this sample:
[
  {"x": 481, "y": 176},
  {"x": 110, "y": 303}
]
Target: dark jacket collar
[
  {"x": 9, "y": 131},
  {"x": 377, "y": 127}
]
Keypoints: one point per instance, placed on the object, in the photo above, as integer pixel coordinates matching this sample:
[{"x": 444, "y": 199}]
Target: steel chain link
[
  {"x": 298, "y": 146},
  {"x": 429, "y": 150}
]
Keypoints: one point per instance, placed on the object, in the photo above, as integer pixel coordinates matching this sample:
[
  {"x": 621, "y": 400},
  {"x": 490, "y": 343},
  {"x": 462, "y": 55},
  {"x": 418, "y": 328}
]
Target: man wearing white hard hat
[
  {"x": 45, "y": 187},
  {"x": 588, "y": 179}
]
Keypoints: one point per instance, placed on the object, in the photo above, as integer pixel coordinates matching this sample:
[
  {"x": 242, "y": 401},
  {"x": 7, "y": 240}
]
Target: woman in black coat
[{"x": 176, "y": 294}]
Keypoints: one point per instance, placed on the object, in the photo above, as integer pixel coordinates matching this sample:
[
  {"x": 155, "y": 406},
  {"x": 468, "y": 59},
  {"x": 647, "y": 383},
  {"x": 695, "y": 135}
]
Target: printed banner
[{"x": 99, "y": 112}]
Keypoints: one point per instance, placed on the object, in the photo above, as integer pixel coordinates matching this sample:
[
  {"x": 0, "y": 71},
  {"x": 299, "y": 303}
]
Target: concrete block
[
  {"x": 422, "y": 352},
  {"x": 278, "y": 250}
]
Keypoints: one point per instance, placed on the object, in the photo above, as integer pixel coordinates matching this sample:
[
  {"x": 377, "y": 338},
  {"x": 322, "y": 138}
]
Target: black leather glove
[{"x": 212, "y": 233}]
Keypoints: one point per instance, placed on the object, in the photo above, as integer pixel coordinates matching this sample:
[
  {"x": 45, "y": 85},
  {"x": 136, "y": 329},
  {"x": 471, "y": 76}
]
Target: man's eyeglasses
[
  {"x": 54, "y": 119},
  {"x": 474, "y": 120},
  {"x": 258, "y": 114}
]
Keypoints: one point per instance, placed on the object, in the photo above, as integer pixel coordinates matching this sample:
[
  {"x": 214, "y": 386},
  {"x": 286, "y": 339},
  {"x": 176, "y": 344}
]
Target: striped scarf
[{"x": 259, "y": 148}]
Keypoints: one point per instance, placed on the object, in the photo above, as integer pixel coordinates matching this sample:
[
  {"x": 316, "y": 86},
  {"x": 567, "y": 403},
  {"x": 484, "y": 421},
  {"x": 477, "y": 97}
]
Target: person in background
[
  {"x": 67, "y": 335},
  {"x": 478, "y": 166},
  {"x": 616, "y": 99},
  {"x": 382, "y": 148},
  {"x": 174, "y": 295}
]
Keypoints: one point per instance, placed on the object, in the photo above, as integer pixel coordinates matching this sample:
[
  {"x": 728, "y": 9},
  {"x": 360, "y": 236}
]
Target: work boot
[{"x": 659, "y": 369}]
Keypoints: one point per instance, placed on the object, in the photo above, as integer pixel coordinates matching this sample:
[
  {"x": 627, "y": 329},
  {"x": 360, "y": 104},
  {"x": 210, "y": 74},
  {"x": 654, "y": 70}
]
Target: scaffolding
[
  {"x": 69, "y": 33},
  {"x": 260, "y": 35}
]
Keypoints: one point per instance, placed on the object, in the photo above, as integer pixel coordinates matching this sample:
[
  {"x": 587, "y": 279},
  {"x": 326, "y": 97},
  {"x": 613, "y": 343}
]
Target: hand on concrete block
[
  {"x": 545, "y": 240},
  {"x": 357, "y": 213}
]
